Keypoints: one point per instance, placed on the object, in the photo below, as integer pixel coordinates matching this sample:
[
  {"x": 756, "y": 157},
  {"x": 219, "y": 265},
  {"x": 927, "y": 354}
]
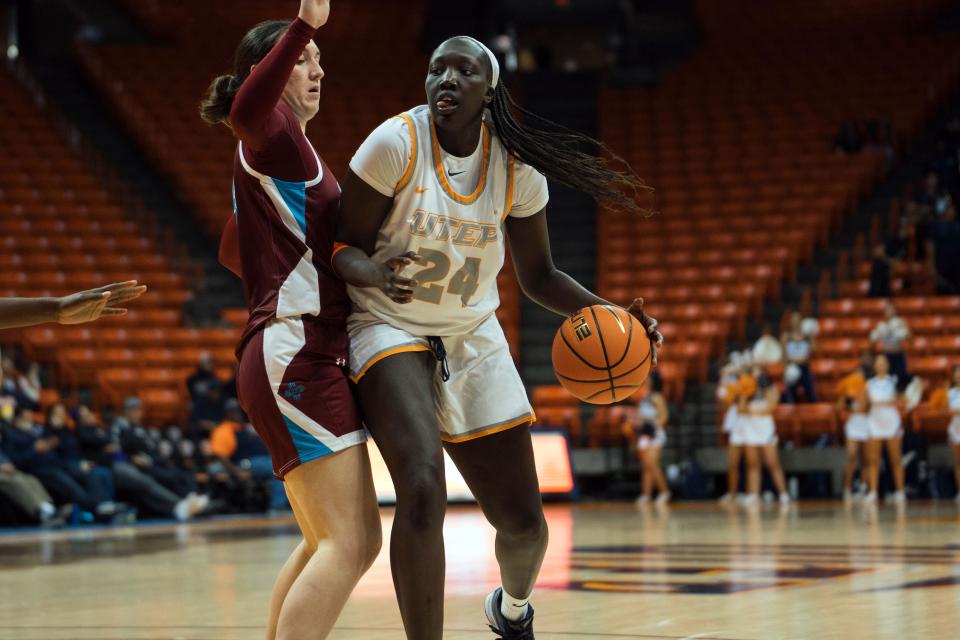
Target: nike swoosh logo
[
  {"x": 451, "y": 174},
  {"x": 421, "y": 190}
]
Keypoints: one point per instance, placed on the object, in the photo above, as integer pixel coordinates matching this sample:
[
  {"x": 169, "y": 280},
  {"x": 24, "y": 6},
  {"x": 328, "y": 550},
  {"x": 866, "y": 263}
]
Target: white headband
[{"x": 493, "y": 60}]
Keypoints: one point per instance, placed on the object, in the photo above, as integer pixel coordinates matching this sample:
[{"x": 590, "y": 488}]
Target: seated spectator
[
  {"x": 10, "y": 399},
  {"x": 142, "y": 449},
  {"x": 27, "y": 495},
  {"x": 134, "y": 486},
  {"x": 943, "y": 253},
  {"x": 885, "y": 256},
  {"x": 799, "y": 342},
  {"x": 206, "y": 408},
  {"x": 29, "y": 386},
  {"x": 242, "y": 452},
  {"x": 878, "y": 135},
  {"x": 767, "y": 349},
  {"x": 848, "y": 139},
  {"x": 928, "y": 205},
  {"x": 69, "y": 452},
  {"x": 35, "y": 453},
  {"x": 889, "y": 335},
  {"x": 197, "y": 310}
]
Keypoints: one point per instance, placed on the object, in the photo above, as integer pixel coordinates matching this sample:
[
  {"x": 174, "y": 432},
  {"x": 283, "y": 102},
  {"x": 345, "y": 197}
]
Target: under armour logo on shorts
[{"x": 294, "y": 391}]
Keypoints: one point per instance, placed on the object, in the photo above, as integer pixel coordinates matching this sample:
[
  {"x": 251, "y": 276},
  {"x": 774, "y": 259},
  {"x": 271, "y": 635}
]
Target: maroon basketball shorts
[{"x": 293, "y": 386}]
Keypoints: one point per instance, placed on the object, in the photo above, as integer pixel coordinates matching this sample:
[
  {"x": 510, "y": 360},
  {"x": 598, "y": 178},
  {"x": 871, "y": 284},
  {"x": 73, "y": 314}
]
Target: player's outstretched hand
[
  {"x": 650, "y": 324},
  {"x": 315, "y": 12},
  {"x": 398, "y": 288},
  {"x": 86, "y": 306}
]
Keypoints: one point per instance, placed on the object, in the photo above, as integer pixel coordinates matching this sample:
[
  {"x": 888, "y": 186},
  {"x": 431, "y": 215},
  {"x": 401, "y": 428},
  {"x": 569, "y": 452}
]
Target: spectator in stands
[
  {"x": 767, "y": 350},
  {"x": 70, "y": 454},
  {"x": 34, "y": 453},
  {"x": 27, "y": 495},
  {"x": 885, "y": 256},
  {"x": 9, "y": 399},
  {"x": 197, "y": 311},
  {"x": 848, "y": 139},
  {"x": 30, "y": 386},
  {"x": 757, "y": 406},
  {"x": 206, "y": 400},
  {"x": 9, "y": 384},
  {"x": 235, "y": 443},
  {"x": 647, "y": 431},
  {"x": 878, "y": 135},
  {"x": 943, "y": 252},
  {"x": 799, "y": 342},
  {"x": 852, "y": 399},
  {"x": 99, "y": 446},
  {"x": 889, "y": 336},
  {"x": 927, "y": 205},
  {"x": 886, "y": 431},
  {"x": 142, "y": 449}
]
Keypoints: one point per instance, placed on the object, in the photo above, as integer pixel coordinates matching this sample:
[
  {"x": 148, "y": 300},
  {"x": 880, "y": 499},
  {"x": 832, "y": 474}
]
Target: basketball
[{"x": 601, "y": 354}]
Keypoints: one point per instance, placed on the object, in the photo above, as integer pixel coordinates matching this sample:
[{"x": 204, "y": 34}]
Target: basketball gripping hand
[
  {"x": 395, "y": 286},
  {"x": 650, "y": 324}
]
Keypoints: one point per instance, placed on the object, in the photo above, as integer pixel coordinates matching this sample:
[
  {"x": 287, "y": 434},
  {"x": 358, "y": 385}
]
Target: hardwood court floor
[{"x": 612, "y": 571}]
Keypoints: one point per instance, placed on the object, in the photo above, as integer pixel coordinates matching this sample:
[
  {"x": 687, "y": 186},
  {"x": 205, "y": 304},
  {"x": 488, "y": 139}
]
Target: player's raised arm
[{"x": 76, "y": 308}]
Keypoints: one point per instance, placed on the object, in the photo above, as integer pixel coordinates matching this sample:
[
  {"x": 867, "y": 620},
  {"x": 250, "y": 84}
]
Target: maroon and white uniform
[{"x": 292, "y": 381}]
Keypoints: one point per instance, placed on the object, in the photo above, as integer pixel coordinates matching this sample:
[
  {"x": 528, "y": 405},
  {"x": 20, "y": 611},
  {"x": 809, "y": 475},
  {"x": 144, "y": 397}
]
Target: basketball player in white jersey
[{"x": 445, "y": 185}]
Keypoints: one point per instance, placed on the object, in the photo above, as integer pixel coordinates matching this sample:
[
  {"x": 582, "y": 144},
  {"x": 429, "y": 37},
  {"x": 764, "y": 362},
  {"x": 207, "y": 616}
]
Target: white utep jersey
[{"x": 459, "y": 236}]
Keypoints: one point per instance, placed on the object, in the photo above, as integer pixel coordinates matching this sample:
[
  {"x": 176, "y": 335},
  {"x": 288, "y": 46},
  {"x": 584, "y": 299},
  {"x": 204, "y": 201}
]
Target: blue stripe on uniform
[
  {"x": 307, "y": 446},
  {"x": 294, "y": 194}
]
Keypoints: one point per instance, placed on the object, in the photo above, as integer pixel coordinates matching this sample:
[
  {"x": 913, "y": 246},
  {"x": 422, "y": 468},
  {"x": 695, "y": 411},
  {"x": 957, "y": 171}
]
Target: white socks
[{"x": 512, "y": 608}]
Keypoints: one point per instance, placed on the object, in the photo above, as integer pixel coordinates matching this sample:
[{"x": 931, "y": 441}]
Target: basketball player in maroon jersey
[{"x": 291, "y": 380}]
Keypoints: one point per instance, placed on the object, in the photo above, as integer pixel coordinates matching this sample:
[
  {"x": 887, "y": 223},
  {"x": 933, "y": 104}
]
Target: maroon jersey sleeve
[
  {"x": 230, "y": 247},
  {"x": 254, "y": 116}
]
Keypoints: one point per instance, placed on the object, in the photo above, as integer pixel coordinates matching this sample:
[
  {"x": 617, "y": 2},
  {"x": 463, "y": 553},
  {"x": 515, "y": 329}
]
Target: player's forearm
[
  {"x": 25, "y": 312},
  {"x": 253, "y": 107},
  {"x": 356, "y": 268},
  {"x": 555, "y": 291}
]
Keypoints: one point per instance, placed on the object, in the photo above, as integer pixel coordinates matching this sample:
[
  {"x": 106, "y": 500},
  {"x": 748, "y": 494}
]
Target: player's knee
[
  {"x": 358, "y": 550},
  {"x": 526, "y": 527},
  {"x": 422, "y": 500}
]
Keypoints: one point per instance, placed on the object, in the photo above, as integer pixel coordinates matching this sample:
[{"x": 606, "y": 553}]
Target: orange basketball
[{"x": 601, "y": 354}]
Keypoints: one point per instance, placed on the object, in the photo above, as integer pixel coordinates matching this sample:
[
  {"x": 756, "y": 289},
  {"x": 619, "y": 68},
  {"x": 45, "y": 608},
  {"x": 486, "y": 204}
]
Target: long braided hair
[{"x": 564, "y": 155}]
